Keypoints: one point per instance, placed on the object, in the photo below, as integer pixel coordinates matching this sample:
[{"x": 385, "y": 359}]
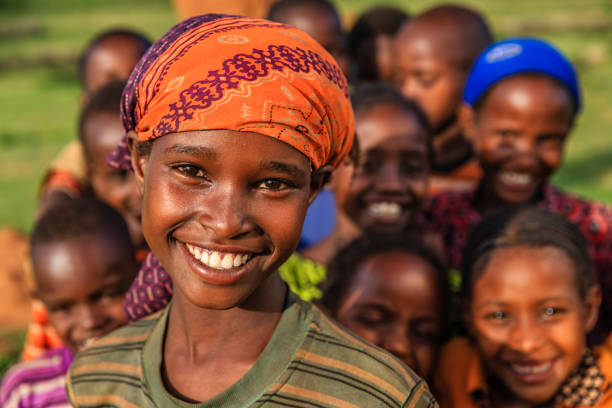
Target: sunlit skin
[
  {"x": 82, "y": 282},
  {"x": 393, "y": 302},
  {"x": 393, "y": 167},
  {"x": 111, "y": 60},
  {"x": 227, "y": 191},
  {"x": 323, "y": 26},
  {"x": 519, "y": 135},
  {"x": 529, "y": 322},
  {"x": 102, "y": 133}
]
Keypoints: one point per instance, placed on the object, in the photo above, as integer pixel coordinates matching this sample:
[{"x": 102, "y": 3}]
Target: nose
[
  {"x": 390, "y": 178},
  {"x": 88, "y": 318},
  {"x": 397, "y": 342},
  {"x": 410, "y": 89},
  {"x": 525, "y": 336},
  {"x": 224, "y": 212}
]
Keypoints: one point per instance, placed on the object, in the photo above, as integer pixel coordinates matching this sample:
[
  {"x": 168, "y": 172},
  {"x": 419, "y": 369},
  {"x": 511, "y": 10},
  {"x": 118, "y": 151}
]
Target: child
[
  {"x": 100, "y": 131},
  {"x": 109, "y": 57},
  {"x": 384, "y": 190},
  {"x": 83, "y": 263},
  {"x": 320, "y": 20},
  {"x": 530, "y": 299},
  {"x": 233, "y": 125},
  {"x": 521, "y": 100},
  {"x": 391, "y": 291},
  {"x": 371, "y": 43},
  {"x": 434, "y": 52}
]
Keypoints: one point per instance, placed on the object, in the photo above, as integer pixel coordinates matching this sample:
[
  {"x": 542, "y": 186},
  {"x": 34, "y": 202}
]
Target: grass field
[{"x": 39, "y": 91}]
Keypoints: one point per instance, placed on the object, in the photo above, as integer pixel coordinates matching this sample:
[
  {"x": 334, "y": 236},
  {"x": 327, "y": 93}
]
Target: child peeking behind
[
  {"x": 529, "y": 298},
  {"x": 234, "y": 125},
  {"x": 391, "y": 290},
  {"x": 520, "y": 103},
  {"x": 83, "y": 263}
]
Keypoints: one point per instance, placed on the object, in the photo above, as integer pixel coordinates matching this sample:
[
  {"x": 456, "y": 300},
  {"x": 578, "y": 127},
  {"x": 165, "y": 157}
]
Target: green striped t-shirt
[{"x": 309, "y": 362}]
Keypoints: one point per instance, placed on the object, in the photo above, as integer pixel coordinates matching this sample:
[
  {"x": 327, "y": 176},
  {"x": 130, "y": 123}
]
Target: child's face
[
  {"x": 222, "y": 210},
  {"x": 117, "y": 188},
  {"x": 112, "y": 60},
  {"x": 393, "y": 303},
  {"x": 519, "y": 134},
  {"x": 529, "y": 321},
  {"x": 422, "y": 73},
  {"x": 390, "y": 180},
  {"x": 82, "y": 282}
]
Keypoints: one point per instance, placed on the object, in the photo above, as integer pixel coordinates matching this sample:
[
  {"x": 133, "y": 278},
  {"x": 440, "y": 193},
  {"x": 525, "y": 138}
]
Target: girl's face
[
  {"x": 393, "y": 302},
  {"x": 519, "y": 134},
  {"x": 390, "y": 181},
  {"x": 529, "y": 321},
  {"x": 222, "y": 210}
]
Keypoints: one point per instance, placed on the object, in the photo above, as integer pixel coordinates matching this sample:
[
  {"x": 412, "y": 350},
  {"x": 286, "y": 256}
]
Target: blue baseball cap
[{"x": 519, "y": 55}]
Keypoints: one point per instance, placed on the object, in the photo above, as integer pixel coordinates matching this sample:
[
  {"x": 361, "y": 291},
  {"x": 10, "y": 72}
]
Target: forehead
[
  {"x": 378, "y": 124},
  {"x": 102, "y": 131},
  {"x": 426, "y": 43},
  {"x": 522, "y": 274},
  {"x": 80, "y": 260},
  {"x": 538, "y": 92},
  {"x": 397, "y": 272}
]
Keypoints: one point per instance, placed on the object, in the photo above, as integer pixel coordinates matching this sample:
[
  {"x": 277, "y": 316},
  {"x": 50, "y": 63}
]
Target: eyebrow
[
  {"x": 200, "y": 151},
  {"x": 286, "y": 168}
]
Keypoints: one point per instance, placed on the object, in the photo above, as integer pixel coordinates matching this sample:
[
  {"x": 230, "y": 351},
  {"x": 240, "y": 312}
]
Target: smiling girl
[
  {"x": 233, "y": 125},
  {"x": 529, "y": 299}
]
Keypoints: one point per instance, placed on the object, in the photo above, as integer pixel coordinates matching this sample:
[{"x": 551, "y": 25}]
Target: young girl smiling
[{"x": 234, "y": 124}]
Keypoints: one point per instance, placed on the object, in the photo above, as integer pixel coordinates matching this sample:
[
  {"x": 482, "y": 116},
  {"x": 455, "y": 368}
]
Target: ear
[
  {"x": 467, "y": 119},
  {"x": 592, "y": 303},
  {"x": 318, "y": 179},
  {"x": 139, "y": 161}
]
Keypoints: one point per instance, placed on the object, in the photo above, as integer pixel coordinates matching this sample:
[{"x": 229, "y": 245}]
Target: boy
[
  {"x": 83, "y": 262},
  {"x": 234, "y": 125},
  {"x": 434, "y": 52}
]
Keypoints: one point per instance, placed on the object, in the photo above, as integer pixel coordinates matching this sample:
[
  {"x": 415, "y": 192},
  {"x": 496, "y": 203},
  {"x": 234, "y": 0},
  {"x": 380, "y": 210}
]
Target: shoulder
[
  {"x": 593, "y": 218},
  {"x": 43, "y": 379},
  {"x": 111, "y": 364},
  {"x": 358, "y": 371}
]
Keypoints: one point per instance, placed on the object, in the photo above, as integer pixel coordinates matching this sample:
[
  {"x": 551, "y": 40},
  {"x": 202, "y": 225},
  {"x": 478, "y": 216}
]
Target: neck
[{"x": 202, "y": 335}]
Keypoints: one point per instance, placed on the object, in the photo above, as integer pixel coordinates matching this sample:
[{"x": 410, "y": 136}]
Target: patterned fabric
[
  {"x": 151, "y": 291},
  {"x": 39, "y": 383},
  {"x": 586, "y": 386},
  {"x": 308, "y": 362},
  {"x": 453, "y": 214},
  {"x": 242, "y": 74},
  {"x": 461, "y": 381}
]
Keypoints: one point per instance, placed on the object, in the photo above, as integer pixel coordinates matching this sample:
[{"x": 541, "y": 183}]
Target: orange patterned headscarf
[{"x": 237, "y": 73}]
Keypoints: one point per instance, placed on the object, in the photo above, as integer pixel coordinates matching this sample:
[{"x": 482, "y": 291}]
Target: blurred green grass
[{"x": 40, "y": 40}]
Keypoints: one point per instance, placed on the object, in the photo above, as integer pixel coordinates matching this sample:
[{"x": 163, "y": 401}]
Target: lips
[
  {"x": 516, "y": 179},
  {"x": 532, "y": 371},
  {"x": 217, "y": 259}
]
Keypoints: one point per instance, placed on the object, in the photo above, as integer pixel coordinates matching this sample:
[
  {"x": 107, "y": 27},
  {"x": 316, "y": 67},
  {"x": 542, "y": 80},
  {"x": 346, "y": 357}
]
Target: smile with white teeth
[
  {"x": 385, "y": 209},
  {"x": 516, "y": 178},
  {"x": 216, "y": 259},
  {"x": 529, "y": 369}
]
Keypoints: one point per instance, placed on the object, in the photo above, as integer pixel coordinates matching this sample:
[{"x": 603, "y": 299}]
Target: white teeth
[
  {"x": 385, "y": 209},
  {"x": 215, "y": 260},
  {"x": 531, "y": 369},
  {"x": 516, "y": 178},
  {"x": 218, "y": 260}
]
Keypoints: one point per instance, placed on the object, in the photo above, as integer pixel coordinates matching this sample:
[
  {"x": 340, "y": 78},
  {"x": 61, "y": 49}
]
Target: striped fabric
[
  {"x": 38, "y": 383},
  {"x": 308, "y": 362}
]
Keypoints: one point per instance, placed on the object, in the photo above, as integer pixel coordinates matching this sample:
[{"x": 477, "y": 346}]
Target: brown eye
[{"x": 190, "y": 171}]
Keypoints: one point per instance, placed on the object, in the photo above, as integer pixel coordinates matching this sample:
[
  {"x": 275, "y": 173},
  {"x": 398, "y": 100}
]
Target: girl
[
  {"x": 520, "y": 103},
  {"x": 233, "y": 125},
  {"x": 391, "y": 290},
  {"x": 530, "y": 299}
]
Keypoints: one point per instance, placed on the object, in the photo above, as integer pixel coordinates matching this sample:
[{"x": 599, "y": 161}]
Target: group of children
[{"x": 450, "y": 249}]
